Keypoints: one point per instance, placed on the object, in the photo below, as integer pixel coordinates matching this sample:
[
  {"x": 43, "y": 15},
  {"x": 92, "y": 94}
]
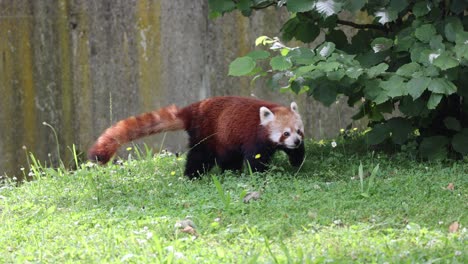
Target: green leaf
[
  {"x": 411, "y": 107},
  {"x": 421, "y": 8},
  {"x": 280, "y": 63},
  {"x": 295, "y": 6},
  {"x": 378, "y": 134},
  {"x": 461, "y": 37},
  {"x": 354, "y": 72},
  {"x": 395, "y": 86},
  {"x": 328, "y": 8},
  {"x": 431, "y": 71},
  {"x": 434, "y": 147},
  {"x": 398, "y": 5},
  {"x": 338, "y": 37},
  {"x": 241, "y": 66},
  {"x": 416, "y": 51},
  {"x": 453, "y": 26},
  {"x": 274, "y": 82},
  {"x": 458, "y": 6},
  {"x": 354, "y": 5},
  {"x": 263, "y": 40},
  {"x": 381, "y": 44},
  {"x": 461, "y": 51},
  {"x": 302, "y": 56},
  {"x": 408, "y": 69},
  {"x": 258, "y": 54},
  {"x": 296, "y": 87},
  {"x": 452, "y": 123},
  {"x": 284, "y": 51},
  {"x": 400, "y": 128},
  {"x": 417, "y": 86},
  {"x": 404, "y": 39},
  {"x": 374, "y": 92},
  {"x": 425, "y": 32},
  {"x": 460, "y": 142},
  {"x": 326, "y": 49},
  {"x": 442, "y": 86},
  {"x": 244, "y": 5},
  {"x": 436, "y": 43},
  {"x": 434, "y": 101},
  {"x": 376, "y": 70},
  {"x": 328, "y": 66},
  {"x": 444, "y": 61},
  {"x": 325, "y": 93},
  {"x": 335, "y": 75},
  {"x": 221, "y": 6},
  {"x": 307, "y": 32},
  {"x": 288, "y": 30}
]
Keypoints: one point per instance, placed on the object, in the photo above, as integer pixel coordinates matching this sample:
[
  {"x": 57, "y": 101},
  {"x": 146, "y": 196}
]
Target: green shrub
[{"x": 405, "y": 55}]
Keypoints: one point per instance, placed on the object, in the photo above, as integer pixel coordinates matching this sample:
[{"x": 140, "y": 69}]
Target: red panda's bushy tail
[{"x": 164, "y": 119}]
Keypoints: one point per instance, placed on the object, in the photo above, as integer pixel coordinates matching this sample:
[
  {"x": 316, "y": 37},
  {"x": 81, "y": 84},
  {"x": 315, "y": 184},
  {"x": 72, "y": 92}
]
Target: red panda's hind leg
[{"x": 199, "y": 161}]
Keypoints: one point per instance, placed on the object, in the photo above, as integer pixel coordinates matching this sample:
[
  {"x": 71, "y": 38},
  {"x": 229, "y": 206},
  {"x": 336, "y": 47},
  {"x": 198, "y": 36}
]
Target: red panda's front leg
[
  {"x": 259, "y": 158},
  {"x": 296, "y": 156}
]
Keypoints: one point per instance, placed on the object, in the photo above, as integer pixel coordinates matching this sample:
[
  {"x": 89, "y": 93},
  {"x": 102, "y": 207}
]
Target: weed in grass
[
  {"x": 365, "y": 192},
  {"x": 225, "y": 197}
]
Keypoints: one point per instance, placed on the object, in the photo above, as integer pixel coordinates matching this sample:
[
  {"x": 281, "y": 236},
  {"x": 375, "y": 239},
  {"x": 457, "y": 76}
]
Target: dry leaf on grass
[
  {"x": 453, "y": 228},
  {"x": 190, "y": 230},
  {"x": 186, "y": 226},
  {"x": 450, "y": 187}
]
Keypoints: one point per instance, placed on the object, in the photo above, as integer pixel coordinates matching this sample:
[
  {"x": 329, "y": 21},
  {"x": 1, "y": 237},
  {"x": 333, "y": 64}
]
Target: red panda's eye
[
  {"x": 286, "y": 134},
  {"x": 298, "y": 131}
]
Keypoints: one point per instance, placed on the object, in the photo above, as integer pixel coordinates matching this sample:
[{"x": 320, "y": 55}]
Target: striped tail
[{"x": 164, "y": 119}]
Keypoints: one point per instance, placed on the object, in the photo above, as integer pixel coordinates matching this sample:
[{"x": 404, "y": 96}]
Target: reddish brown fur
[
  {"x": 164, "y": 119},
  {"x": 222, "y": 130}
]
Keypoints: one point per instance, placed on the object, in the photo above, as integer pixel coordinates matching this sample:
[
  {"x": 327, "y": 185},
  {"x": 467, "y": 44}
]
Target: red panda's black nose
[{"x": 297, "y": 142}]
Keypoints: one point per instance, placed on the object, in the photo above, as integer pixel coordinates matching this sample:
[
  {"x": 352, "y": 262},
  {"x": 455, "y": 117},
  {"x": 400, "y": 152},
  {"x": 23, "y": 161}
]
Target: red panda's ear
[
  {"x": 266, "y": 116},
  {"x": 294, "y": 107}
]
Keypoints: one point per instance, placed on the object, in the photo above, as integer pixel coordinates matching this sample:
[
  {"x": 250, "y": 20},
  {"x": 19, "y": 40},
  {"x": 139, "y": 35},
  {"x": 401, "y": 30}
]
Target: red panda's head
[{"x": 284, "y": 125}]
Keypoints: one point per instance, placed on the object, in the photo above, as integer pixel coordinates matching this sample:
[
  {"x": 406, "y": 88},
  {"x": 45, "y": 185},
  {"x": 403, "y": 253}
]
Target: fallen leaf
[
  {"x": 190, "y": 230},
  {"x": 251, "y": 196},
  {"x": 184, "y": 223},
  {"x": 453, "y": 228},
  {"x": 186, "y": 226},
  {"x": 451, "y": 187}
]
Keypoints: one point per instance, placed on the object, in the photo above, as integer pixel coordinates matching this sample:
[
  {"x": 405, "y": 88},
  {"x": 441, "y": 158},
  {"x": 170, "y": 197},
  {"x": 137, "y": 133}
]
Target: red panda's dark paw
[{"x": 99, "y": 157}]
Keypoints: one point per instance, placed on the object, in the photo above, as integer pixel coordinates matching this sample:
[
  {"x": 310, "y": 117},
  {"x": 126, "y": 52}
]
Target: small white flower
[
  {"x": 149, "y": 235},
  {"x": 333, "y": 144}
]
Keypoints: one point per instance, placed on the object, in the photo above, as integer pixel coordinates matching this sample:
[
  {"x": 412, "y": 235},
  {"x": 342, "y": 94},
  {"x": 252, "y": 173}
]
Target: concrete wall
[{"x": 81, "y": 65}]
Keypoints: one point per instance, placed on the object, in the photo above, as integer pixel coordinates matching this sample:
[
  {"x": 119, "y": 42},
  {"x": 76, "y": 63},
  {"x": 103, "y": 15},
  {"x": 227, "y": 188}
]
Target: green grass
[{"x": 397, "y": 210}]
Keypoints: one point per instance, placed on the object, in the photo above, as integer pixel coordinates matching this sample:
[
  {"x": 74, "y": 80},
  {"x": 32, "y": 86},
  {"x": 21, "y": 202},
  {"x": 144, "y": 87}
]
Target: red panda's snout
[{"x": 291, "y": 140}]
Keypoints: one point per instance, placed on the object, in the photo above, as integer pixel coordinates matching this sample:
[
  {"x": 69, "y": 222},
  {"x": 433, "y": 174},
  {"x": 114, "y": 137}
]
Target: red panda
[{"x": 223, "y": 131}]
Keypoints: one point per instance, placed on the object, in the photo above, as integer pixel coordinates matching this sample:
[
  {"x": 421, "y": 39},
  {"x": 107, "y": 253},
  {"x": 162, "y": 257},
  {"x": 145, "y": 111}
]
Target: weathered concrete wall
[{"x": 82, "y": 65}]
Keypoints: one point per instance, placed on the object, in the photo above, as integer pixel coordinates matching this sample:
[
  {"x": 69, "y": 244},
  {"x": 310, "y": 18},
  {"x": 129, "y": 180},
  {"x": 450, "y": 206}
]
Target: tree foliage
[{"x": 405, "y": 55}]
